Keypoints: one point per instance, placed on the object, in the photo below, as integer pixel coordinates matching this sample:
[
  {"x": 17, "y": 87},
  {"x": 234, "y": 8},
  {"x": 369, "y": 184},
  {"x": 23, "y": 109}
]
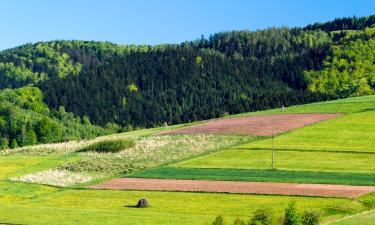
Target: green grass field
[
  {"x": 354, "y": 132},
  {"x": 12, "y": 166},
  {"x": 280, "y": 176},
  {"x": 35, "y": 204},
  {"x": 284, "y": 160},
  {"x": 366, "y": 218},
  {"x": 338, "y": 151},
  {"x": 39, "y": 163}
]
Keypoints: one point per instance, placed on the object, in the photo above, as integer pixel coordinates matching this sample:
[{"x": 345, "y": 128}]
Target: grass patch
[
  {"x": 13, "y": 166},
  {"x": 151, "y": 151},
  {"x": 285, "y": 160},
  {"x": 67, "y": 206},
  {"x": 60, "y": 178},
  {"x": 280, "y": 176},
  {"x": 354, "y": 132},
  {"x": 109, "y": 146},
  {"x": 366, "y": 218}
]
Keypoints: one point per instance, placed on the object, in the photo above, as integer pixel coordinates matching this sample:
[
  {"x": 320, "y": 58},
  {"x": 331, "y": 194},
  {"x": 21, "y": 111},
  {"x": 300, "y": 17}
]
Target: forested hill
[{"x": 228, "y": 72}]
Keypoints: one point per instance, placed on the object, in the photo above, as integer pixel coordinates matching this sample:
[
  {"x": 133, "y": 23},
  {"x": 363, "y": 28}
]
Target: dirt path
[
  {"x": 255, "y": 125},
  {"x": 325, "y": 190}
]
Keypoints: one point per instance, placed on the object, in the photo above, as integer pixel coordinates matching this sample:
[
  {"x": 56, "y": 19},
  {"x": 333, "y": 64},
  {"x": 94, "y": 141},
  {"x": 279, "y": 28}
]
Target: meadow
[
  {"x": 284, "y": 160},
  {"x": 366, "y": 218},
  {"x": 65, "y": 164},
  {"x": 337, "y": 151},
  {"x": 280, "y": 176},
  {"x": 27, "y": 203},
  {"x": 351, "y": 133}
]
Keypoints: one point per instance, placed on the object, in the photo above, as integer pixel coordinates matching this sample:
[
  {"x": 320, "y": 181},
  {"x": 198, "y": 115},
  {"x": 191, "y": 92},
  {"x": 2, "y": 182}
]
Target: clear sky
[{"x": 159, "y": 21}]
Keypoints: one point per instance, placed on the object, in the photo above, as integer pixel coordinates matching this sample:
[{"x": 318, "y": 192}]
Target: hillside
[
  {"x": 226, "y": 73},
  {"x": 343, "y": 146}
]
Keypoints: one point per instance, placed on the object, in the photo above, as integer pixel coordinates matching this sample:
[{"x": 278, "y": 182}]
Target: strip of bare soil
[
  {"x": 265, "y": 125},
  {"x": 324, "y": 190}
]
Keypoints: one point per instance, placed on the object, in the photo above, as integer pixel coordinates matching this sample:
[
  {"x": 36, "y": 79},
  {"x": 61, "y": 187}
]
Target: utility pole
[{"x": 273, "y": 154}]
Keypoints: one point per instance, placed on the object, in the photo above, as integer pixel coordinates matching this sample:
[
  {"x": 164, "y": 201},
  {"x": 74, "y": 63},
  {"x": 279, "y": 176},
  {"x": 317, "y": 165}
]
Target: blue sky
[{"x": 159, "y": 21}]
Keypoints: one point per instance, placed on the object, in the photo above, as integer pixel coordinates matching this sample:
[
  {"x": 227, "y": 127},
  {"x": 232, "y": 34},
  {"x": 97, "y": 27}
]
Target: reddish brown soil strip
[
  {"x": 324, "y": 190},
  {"x": 255, "y": 125}
]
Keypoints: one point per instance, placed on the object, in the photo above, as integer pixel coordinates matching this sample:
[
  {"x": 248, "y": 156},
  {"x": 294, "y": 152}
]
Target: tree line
[{"x": 26, "y": 120}]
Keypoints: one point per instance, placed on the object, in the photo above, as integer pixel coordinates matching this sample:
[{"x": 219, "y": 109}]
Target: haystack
[{"x": 143, "y": 203}]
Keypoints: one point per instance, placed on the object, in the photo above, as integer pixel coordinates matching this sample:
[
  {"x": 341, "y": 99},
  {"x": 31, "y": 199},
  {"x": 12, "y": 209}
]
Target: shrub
[
  {"x": 4, "y": 143},
  {"x": 238, "y": 221},
  {"x": 113, "y": 127},
  {"x": 281, "y": 220},
  {"x": 109, "y": 146},
  {"x": 128, "y": 128},
  {"x": 14, "y": 144},
  {"x": 291, "y": 215},
  {"x": 310, "y": 217},
  {"x": 262, "y": 217},
  {"x": 219, "y": 220}
]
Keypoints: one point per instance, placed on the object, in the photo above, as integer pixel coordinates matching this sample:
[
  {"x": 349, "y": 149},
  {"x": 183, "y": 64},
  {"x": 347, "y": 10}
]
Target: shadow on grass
[
  {"x": 134, "y": 207},
  {"x": 131, "y": 206},
  {"x": 368, "y": 109}
]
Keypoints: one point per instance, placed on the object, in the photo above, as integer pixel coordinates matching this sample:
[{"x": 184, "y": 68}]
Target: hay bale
[{"x": 143, "y": 203}]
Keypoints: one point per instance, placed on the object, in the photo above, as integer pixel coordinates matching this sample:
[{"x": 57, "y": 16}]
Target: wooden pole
[{"x": 273, "y": 154}]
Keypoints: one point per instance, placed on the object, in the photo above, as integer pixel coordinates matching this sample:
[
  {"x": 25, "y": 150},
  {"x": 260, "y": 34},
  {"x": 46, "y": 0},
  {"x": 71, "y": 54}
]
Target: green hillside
[
  {"x": 77, "y": 113},
  {"x": 344, "y": 148},
  {"x": 207, "y": 157},
  {"x": 228, "y": 72}
]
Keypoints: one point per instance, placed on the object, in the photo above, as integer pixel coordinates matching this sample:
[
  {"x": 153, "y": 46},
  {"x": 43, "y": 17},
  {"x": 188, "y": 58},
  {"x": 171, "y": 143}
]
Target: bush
[
  {"x": 262, "y": 217},
  {"x": 310, "y": 217},
  {"x": 113, "y": 127},
  {"x": 109, "y": 146},
  {"x": 4, "y": 143},
  {"x": 238, "y": 221},
  {"x": 291, "y": 215},
  {"x": 14, "y": 144},
  {"x": 128, "y": 128},
  {"x": 219, "y": 220}
]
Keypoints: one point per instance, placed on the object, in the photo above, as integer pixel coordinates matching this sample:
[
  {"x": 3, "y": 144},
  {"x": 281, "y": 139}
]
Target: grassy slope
[
  {"x": 367, "y": 218},
  {"x": 12, "y": 166},
  {"x": 257, "y": 175},
  {"x": 27, "y": 203},
  {"x": 354, "y": 132},
  {"x": 344, "y": 148},
  {"x": 284, "y": 160},
  {"x": 364, "y": 218}
]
